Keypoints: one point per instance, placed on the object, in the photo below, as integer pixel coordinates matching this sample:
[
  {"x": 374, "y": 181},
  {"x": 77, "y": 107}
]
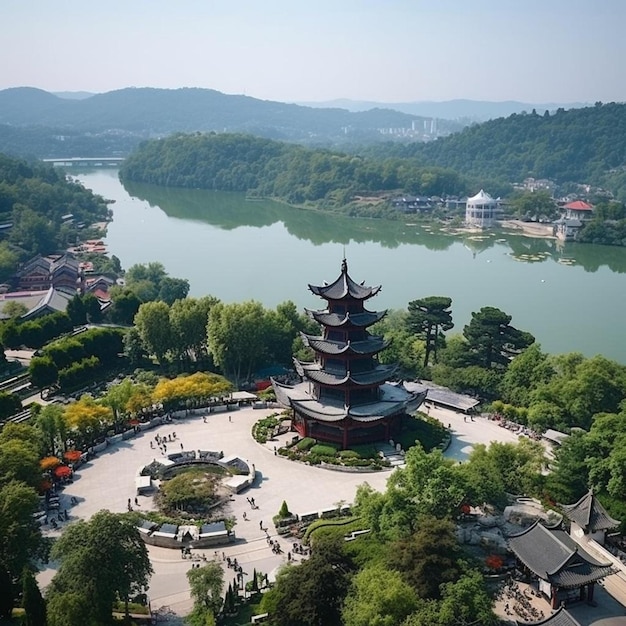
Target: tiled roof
[
  {"x": 578, "y": 205},
  {"x": 561, "y": 617},
  {"x": 313, "y": 372},
  {"x": 442, "y": 395},
  {"x": 394, "y": 400},
  {"x": 554, "y": 556},
  {"x": 373, "y": 345},
  {"x": 361, "y": 320},
  {"x": 344, "y": 287},
  {"x": 589, "y": 514}
]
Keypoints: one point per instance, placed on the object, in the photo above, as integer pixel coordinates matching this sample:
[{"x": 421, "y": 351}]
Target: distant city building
[{"x": 480, "y": 210}]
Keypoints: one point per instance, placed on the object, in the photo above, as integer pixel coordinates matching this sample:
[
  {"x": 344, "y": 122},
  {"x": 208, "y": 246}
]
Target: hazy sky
[{"x": 297, "y": 50}]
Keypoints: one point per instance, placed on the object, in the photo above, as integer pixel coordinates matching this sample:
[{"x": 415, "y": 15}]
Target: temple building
[
  {"x": 344, "y": 396},
  {"x": 589, "y": 519},
  {"x": 565, "y": 571}
]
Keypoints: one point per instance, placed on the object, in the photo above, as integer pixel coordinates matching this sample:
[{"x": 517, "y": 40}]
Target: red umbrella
[
  {"x": 62, "y": 471},
  {"x": 134, "y": 422},
  {"x": 72, "y": 455}
]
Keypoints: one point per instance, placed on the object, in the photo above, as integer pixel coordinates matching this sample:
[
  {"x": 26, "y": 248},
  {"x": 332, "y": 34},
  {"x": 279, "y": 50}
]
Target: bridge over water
[{"x": 86, "y": 161}]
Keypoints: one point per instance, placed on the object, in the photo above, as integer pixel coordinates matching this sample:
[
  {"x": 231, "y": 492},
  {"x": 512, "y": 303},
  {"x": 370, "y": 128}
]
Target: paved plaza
[{"x": 108, "y": 481}]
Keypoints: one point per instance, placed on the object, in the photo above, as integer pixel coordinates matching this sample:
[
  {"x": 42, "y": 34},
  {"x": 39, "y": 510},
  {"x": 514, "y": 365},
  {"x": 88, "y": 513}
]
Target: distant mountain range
[
  {"x": 36, "y": 123},
  {"x": 468, "y": 110},
  {"x": 163, "y": 111}
]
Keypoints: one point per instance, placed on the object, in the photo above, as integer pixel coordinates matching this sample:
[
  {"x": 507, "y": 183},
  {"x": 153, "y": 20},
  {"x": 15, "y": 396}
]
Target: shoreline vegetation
[{"x": 351, "y": 185}]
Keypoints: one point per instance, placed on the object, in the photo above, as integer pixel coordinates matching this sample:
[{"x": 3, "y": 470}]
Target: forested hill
[
  {"x": 231, "y": 162},
  {"x": 580, "y": 145},
  {"x": 163, "y": 111},
  {"x": 38, "y": 200}
]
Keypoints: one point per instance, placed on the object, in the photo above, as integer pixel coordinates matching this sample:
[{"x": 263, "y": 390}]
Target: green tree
[
  {"x": 188, "y": 320},
  {"x": 19, "y": 460},
  {"x": 51, "y": 423},
  {"x": 125, "y": 306},
  {"x": 429, "y": 318},
  {"x": 32, "y": 601},
  {"x": 153, "y": 325},
  {"x": 92, "y": 308},
  {"x": 429, "y": 557},
  {"x": 134, "y": 348},
  {"x": 123, "y": 568},
  {"x": 526, "y": 372},
  {"x": 10, "y": 404},
  {"x": 492, "y": 339},
  {"x": 206, "y": 584},
  {"x": 21, "y": 542},
  {"x": 77, "y": 311},
  {"x": 172, "y": 289},
  {"x": 117, "y": 397},
  {"x": 534, "y": 204},
  {"x": 312, "y": 593},
  {"x": 237, "y": 339},
  {"x": 43, "y": 372},
  {"x": 70, "y": 608},
  {"x": 378, "y": 597}
]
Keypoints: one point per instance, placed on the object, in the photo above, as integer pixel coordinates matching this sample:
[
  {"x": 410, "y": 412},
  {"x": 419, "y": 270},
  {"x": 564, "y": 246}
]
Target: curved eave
[
  {"x": 313, "y": 410},
  {"x": 367, "y": 379},
  {"x": 370, "y": 346},
  {"x": 344, "y": 287},
  {"x": 357, "y": 320}
]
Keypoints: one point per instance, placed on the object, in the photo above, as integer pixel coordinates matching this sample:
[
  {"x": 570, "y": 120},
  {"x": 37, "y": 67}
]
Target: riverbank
[{"x": 529, "y": 229}]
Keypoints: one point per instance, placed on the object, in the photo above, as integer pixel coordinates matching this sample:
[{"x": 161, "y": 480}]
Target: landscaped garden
[{"x": 427, "y": 430}]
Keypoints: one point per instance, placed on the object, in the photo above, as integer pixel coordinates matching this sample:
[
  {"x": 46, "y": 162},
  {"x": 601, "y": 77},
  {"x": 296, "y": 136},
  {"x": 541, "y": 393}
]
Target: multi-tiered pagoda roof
[{"x": 344, "y": 395}]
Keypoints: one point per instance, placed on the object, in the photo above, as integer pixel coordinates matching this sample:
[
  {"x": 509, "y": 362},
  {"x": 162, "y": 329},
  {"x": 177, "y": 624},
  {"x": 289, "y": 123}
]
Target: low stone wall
[{"x": 174, "y": 544}]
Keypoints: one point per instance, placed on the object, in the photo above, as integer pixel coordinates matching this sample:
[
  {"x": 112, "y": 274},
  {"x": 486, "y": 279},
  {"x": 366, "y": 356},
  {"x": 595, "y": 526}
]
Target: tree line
[{"x": 267, "y": 168}]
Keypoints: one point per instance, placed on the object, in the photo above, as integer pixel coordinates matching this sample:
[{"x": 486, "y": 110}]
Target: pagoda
[{"x": 343, "y": 396}]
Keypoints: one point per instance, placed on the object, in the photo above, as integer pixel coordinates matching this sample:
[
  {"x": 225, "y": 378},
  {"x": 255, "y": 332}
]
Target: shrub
[
  {"x": 324, "y": 450},
  {"x": 305, "y": 444},
  {"x": 349, "y": 454},
  {"x": 284, "y": 510}
]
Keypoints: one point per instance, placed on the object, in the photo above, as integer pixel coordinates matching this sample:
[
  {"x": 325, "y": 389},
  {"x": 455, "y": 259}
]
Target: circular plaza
[{"x": 109, "y": 482}]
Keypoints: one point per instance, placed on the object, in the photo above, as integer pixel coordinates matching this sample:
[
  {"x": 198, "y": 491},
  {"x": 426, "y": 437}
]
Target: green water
[{"x": 572, "y": 297}]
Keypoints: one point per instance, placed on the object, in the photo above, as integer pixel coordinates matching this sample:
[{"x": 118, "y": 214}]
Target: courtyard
[{"x": 108, "y": 482}]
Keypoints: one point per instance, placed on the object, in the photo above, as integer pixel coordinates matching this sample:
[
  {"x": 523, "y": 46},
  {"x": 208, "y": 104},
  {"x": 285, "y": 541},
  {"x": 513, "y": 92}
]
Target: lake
[{"x": 570, "y": 296}]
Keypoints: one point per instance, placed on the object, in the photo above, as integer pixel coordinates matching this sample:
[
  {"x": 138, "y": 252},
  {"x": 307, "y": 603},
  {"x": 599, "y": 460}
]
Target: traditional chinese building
[
  {"x": 589, "y": 518},
  {"x": 565, "y": 571},
  {"x": 344, "y": 396}
]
